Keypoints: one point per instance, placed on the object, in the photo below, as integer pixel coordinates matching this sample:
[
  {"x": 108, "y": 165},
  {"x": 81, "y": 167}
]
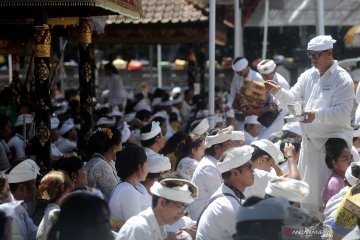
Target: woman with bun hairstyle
[
  {"x": 189, "y": 152},
  {"x": 101, "y": 172}
]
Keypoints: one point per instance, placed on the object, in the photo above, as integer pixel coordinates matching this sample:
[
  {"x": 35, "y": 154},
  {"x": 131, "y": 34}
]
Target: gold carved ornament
[
  {"x": 42, "y": 71},
  {"x": 42, "y": 133},
  {"x": 85, "y": 30},
  {"x": 42, "y": 41}
]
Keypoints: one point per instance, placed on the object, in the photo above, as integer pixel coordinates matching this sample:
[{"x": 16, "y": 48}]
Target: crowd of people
[{"x": 158, "y": 167}]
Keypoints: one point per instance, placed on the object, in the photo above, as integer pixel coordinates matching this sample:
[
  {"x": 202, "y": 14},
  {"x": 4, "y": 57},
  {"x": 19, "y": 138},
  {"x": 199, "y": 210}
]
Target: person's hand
[
  {"x": 190, "y": 230},
  {"x": 289, "y": 152},
  {"x": 271, "y": 87},
  {"x": 309, "y": 117}
]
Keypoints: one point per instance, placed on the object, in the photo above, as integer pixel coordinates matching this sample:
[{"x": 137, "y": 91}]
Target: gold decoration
[
  {"x": 107, "y": 131},
  {"x": 42, "y": 41},
  {"x": 41, "y": 104},
  {"x": 42, "y": 71},
  {"x": 85, "y": 30},
  {"x": 88, "y": 104},
  {"x": 86, "y": 71},
  {"x": 42, "y": 133}
]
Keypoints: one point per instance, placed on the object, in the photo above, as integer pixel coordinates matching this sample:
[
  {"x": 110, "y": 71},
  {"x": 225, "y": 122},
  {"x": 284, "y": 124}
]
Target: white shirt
[
  {"x": 65, "y": 145},
  {"x": 219, "y": 219},
  {"x": 23, "y": 227},
  {"x": 331, "y": 96},
  {"x": 4, "y": 161},
  {"x": 125, "y": 201},
  {"x": 55, "y": 152},
  {"x": 248, "y": 138},
  {"x": 47, "y": 222},
  {"x": 238, "y": 81},
  {"x": 261, "y": 179},
  {"x": 142, "y": 226},
  {"x": 187, "y": 167},
  {"x": 17, "y": 143},
  {"x": 146, "y": 198},
  {"x": 333, "y": 204},
  {"x": 279, "y": 79},
  {"x": 117, "y": 92},
  {"x": 208, "y": 179}
]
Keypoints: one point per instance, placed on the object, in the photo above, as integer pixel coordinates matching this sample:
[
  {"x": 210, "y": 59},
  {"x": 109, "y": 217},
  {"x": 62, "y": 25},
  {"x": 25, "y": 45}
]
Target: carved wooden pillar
[
  {"x": 86, "y": 79},
  {"x": 42, "y": 42}
]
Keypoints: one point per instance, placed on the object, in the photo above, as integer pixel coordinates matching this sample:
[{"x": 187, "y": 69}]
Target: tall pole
[
  {"x": 159, "y": 70},
  {"x": 86, "y": 80},
  {"x": 266, "y": 23},
  {"x": 320, "y": 27},
  {"x": 42, "y": 101},
  {"x": 62, "y": 71},
  {"x": 212, "y": 17},
  {"x": 238, "y": 33}
]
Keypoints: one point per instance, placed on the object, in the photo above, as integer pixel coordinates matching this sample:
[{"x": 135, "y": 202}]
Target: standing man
[
  {"x": 328, "y": 94},
  {"x": 267, "y": 69},
  {"x": 242, "y": 71}
]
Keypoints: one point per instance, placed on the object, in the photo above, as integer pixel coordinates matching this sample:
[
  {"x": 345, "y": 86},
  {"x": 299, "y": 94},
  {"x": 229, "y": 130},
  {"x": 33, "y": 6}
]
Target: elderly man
[
  {"x": 218, "y": 219},
  {"x": 206, "y": 175},
  {"x": 327, "y": 91}
]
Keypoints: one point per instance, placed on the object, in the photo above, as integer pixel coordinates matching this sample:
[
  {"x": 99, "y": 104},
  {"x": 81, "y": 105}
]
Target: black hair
[
  {"x": 333, "y": 149},
  {"x": 237, "y": 59},
  {"x": 80, "y": 211},
  {"x": 294, "y": 141},
  {"x": 151, "y": 141},
  {"x": 143, "y": 114},
  {"x": 172, "y": 142},
  {"x": 184, "y": 148},
  {"x": 70, "y": 165},
  {"x": 111, "y": 67},
  {"x": 103, "y": 139},
  {"x": 128, "y": 161},
  {"x": 159, "y": 119}
]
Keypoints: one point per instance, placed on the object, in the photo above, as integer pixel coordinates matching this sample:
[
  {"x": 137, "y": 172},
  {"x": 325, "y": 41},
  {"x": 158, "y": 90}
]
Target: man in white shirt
[
  {"x": 171, "y": 198},
  {"x": 67, "y": 141},
  {"x": 54, "y": 136},
  {"x": 252, "y": 129},
  {"x": 206, "y": 175},
  {"x": 17, "y": 143},
  {"x": 327, "y": 91},
  {"x": 21, "y": 180},
  {"x": 219, "y": 218}
]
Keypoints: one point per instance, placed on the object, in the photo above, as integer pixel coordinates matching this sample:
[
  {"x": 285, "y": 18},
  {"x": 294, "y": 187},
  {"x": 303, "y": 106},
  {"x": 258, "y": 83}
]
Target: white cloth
[
  {"x": 208, "y": 179},
  {"x": 331, "y": 97},
  {"x": 184, "y": 221},
  {"x": 66, "y": 126},
  {"x": 125, "y": 201},
  {"x": 23, "y": 227},
  {"x": 142, "y": 226},
  {"x": 235, "y": 158},
  {"x": 271, "y": 149},
  {"x": 321, "y": 43},
  {"x": 266, "y": 66},
  {"x": 16, "y": 143},
  {"x": 219, "y": 219},
  {"x": 238, "y": 81},
  {"x": 20, "y": 119},
  {"x": 158, "y": 163},
  {"x": 26, "y": 170},
  {"x": 186, "y": 167},
  {"x": 146, "y": 198},
  {"x": 55, "y": 152},
  {"x": 221, "y": 136},
  {"x": 240, "y": 65},
  {"x": 65, "y": 145},
  {"x": 46, "y": 222},
  {"x": 117, "y": 92},
  {"x": 333, "y": 204},
  {"x": 261, "y": 179},
  {"x": 4, "y": 161}
]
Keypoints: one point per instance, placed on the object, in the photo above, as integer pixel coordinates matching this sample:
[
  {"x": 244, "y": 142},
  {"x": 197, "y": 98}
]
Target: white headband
[
  {"x": 155, "y": 130},
  {"x": 348, "y": 175},
  {"x": 266, "y": 66},
  {"x": 240, "y": 65},
  {"x": 178, "y": 194},
  {"x": 222, "y": 136}
]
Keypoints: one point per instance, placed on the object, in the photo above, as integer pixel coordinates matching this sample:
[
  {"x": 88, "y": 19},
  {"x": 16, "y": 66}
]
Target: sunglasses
[{"x": 315, "y": 55}]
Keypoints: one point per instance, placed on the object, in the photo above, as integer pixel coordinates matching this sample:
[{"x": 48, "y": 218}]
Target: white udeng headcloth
[
  {"x": 178, "y": 194},
  {"x": 321, "y": 43},
  {"x": 348, "y": 174},
  {"x": 240, "y": 65},
  {"x": 222, "y": 136},
  {"x": 155, "y": 130}
]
